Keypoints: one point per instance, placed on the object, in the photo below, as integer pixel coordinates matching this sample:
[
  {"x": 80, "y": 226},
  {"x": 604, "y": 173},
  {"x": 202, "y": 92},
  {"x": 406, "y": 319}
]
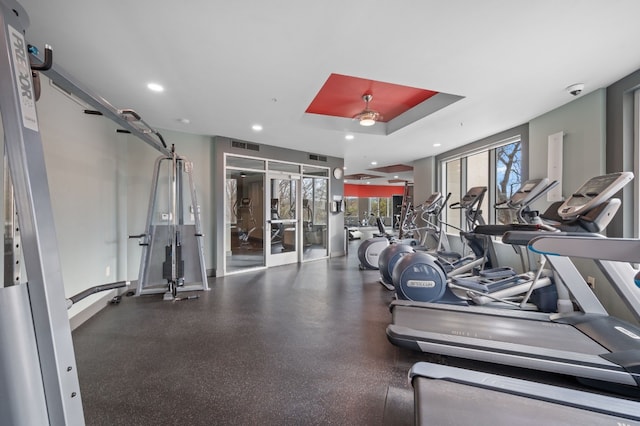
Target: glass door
[
  {"x": 315, "y": 217},
  {"x": 244, "y": 215},
  {"x": 282, "y": 219}
]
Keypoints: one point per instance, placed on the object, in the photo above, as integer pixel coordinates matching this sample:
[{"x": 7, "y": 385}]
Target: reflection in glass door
[
  {"x": 283, "y": 220},
  {"x": 244, "y": 219},
  {"x": 315, "y": 217}
]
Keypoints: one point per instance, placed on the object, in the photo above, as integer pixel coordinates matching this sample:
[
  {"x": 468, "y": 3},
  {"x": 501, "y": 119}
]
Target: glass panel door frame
[
  {"x": 232, "y": 239},
  {"x": 282, "y": 247},
  {"x": 315, "y": 217},
  {"x": 238, "y": 164}
]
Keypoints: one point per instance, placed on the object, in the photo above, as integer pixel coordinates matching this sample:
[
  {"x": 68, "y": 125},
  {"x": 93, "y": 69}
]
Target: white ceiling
[{"x": 226, "y": 65}]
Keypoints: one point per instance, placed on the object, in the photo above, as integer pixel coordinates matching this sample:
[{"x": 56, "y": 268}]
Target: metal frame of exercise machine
[
  {"x": 416, "y": 272},
  {"x": 169, "y": 238},
  {"x": 446, "y": 395},
  {"x": 39, "y": 384},
  {"x": 588, "y": 344}
]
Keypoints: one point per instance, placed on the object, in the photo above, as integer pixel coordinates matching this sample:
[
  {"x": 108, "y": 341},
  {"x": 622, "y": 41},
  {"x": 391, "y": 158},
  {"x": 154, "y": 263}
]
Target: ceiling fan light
[
  {"x": 367, "y": 117},
  {"x": 367, "y": 121}
]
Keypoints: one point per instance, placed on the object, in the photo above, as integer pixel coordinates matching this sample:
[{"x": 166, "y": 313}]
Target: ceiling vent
[
  {"x": 245, "y": 145},
  {"x": 316, "y": 157}
]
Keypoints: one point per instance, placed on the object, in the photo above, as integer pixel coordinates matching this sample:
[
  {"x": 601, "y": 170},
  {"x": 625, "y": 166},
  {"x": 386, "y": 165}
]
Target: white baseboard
[{"x": 80, "y": 313}]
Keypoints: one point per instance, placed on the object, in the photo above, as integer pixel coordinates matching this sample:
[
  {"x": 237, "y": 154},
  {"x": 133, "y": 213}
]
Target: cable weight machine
[{"x": 173, "y": 235}]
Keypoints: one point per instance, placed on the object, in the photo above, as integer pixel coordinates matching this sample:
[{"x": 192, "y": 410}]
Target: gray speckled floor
[{"x": 300, "y": 344}]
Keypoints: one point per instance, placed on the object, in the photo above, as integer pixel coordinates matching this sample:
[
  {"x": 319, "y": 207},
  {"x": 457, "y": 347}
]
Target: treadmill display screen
[
  {"x": 593, "y": 193},
  {"x": 590, "y": 190}
]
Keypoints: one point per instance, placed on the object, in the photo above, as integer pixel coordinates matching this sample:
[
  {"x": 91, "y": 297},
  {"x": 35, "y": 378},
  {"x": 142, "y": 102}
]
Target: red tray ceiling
[{"x": 341, "y": 96}]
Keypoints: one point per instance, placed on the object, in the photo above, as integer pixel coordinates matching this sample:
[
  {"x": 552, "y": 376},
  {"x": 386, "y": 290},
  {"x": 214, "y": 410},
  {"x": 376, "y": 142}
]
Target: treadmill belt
[{"x": 540, "y": 334}]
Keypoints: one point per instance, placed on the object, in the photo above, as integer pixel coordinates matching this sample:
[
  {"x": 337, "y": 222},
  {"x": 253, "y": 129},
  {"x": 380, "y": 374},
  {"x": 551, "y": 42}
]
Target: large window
[
  {"x": 351, "y": 211},
  {"x": 364, "y": 211},
  {"x": 380, "y": 207},
  {"x": 499, "y": 167},
  {"x": 636, "y": 164},
  {"x": 508, "y": 177},
  {"x": 453, "y": 187},
  {"x": 478, "y": 175}
]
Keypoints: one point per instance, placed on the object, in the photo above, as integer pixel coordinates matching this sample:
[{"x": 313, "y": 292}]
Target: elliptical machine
[
  {"x": 389, "y": 256},
  {"x": 481, "y": 254},
  {"x": 420, "y": 277},
  {"x": 456, "y": 263},
  {"x": 370, "y": 249}
]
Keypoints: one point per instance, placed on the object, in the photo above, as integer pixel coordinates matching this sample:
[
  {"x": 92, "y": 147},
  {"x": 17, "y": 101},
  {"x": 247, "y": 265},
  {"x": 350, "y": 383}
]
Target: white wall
[
  {"x": 100, "y": 183},
  {"x": 82, "y": 165}
]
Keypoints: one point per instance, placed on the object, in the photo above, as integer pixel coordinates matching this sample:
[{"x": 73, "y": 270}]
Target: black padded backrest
[{"x": 551, "y": 214}]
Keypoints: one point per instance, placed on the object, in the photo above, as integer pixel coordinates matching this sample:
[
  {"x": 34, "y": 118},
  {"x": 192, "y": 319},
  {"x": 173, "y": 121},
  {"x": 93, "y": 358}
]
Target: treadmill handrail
[{"x": 588, "y": 246}]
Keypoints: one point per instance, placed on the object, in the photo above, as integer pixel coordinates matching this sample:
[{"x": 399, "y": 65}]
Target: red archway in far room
[{"x": 371, "y": 191}]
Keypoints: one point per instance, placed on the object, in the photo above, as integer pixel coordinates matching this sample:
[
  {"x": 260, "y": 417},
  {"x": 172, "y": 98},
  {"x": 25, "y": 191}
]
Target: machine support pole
[
  {"x": 174, "y": 219},
  {"x": 46, "y": 301}
]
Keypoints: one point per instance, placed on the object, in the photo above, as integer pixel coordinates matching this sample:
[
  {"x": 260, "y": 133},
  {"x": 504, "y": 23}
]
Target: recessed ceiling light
[
  {"x": 368, "y": 183},
  {"x": 395, "y": 177},
  {"x": 373, "y": 163},
  {"x": 436, "y": 144},
  {"x": 256, "y": 127},
  {"x": 155, "y": 87},
  {"x": 349, "y": 137}
]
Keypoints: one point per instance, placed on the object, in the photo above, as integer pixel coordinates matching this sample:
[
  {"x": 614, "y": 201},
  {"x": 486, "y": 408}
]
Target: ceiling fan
[{"x": 367, "y": 117}]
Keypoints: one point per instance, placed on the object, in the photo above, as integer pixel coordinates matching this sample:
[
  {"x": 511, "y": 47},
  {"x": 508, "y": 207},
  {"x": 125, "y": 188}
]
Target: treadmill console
[
  {"x": 433, "y": 199},
  {"x": 473, "y": 196},
  {"x": 593, "y": 193},
  {"x": 527, "y": 191}
]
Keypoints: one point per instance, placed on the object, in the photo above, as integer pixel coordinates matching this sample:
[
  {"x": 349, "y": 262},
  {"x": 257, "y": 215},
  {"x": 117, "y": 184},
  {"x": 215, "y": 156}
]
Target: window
[
  {"x": 375, "y": 205},
  {"x": 508, "y": 177},
  {"x": 636, "y": 165},
  {"x": 351, "y": 212},
  {"x": 499, "y": 167},
  {"x": 452, "y": 181},
  {"x": 478, "y": 175}
]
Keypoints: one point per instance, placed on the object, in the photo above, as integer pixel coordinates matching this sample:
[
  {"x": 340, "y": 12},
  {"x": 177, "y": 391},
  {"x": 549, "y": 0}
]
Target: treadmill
[
  {"x": 445, "y": 395},
  {"x": 588, "y": 344}
]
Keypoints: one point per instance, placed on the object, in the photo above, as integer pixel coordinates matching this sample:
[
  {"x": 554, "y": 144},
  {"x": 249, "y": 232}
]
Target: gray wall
[
  {"x": 586, "y": 147},
  {"x": 583, "y": 123},
  {"x": 620, "y": 149},
  {"x": 584, "y": 155},
  {"x": 424, "y": 178}
]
